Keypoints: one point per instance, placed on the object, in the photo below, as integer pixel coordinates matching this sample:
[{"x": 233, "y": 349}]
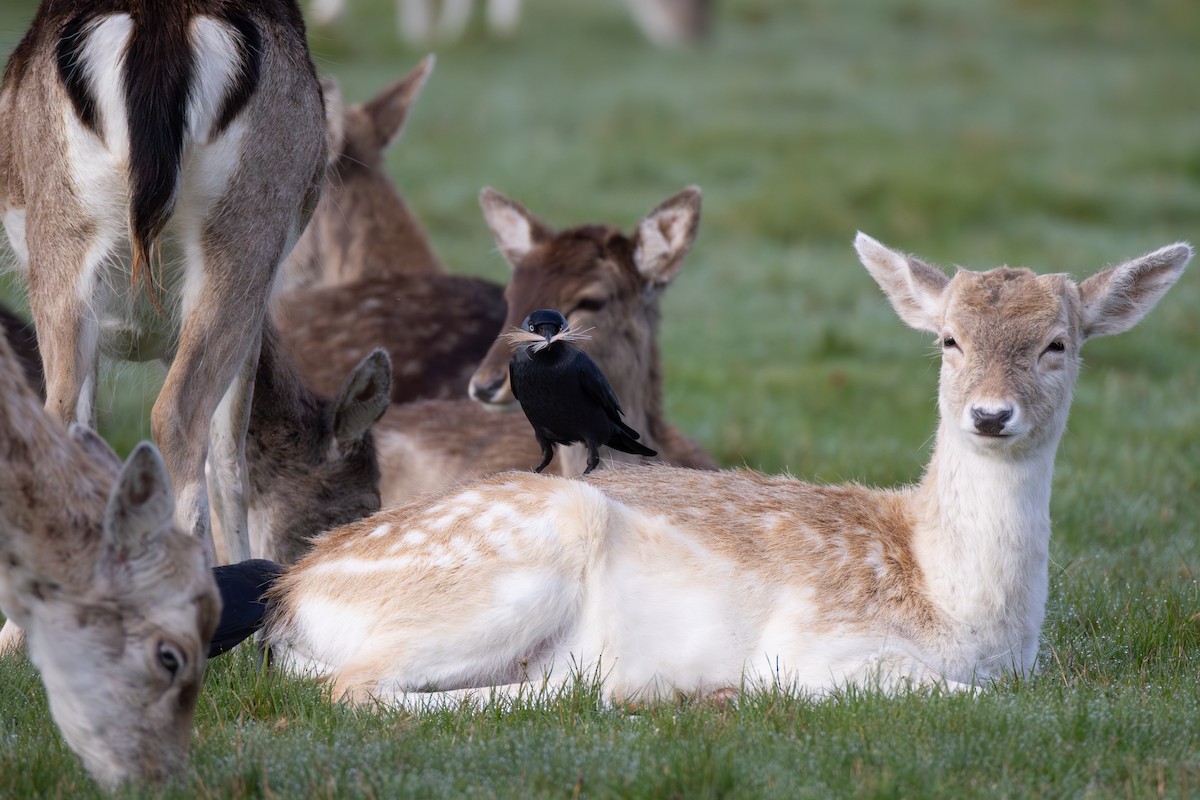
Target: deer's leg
[
  {"x": 225, "y": 301},
  {"x": 503, "y": 16},
  {"x": 62, "y": 289},
  {"x": 415, "y": 19},
  {"x": 454, "y": 18},
  {"x": 228, "y": 478},
  {"x": 532, "y": 693}
]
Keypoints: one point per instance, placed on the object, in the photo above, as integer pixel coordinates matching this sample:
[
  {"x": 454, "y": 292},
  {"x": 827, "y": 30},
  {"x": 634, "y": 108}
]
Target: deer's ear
[
  {"x": 666, "y": 235},
  {"x": 141, "y": 506},
  {"x": 516, "y": 230},
  {"x": 389, "y": 109},
  {"x": 1116, "y": 299},
  {"x": 915, "y": 289},
  {"x": 364, "y": 398}
]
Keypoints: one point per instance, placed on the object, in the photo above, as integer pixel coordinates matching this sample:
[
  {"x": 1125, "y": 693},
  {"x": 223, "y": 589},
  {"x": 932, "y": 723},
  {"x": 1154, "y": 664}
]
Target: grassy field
[{"x": 1059, "y": 135}]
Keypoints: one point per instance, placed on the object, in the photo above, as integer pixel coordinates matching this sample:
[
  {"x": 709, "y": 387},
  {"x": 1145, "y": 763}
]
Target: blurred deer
[
  {"x": 157, "y": 161},
  {"x": 117, "y": 602},
  {"x": 660, "y": 580},
  {"x": 663, "y": 22}
]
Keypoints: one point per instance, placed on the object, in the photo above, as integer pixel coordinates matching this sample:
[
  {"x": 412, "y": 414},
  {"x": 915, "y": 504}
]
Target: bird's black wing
[
  {"x": 596, "y": 386},
  {"x": 512, "y": 379}
]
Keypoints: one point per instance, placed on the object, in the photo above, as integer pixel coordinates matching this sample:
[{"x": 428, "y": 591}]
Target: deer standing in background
[
  {"x": 157, "y": 161},
  {"x": 664, "y": 22},
  {"x": 118, "y": 603},
  {"x": 659, "y": 580}
]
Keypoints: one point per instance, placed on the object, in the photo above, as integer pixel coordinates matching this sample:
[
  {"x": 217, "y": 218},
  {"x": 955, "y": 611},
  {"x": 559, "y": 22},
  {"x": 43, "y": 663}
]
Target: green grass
[{"x": 1059, "y": 135}]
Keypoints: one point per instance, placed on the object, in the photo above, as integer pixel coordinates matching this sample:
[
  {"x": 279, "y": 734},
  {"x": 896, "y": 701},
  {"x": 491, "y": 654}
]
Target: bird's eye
[
  {"x": 531, "y": 329},
  {"x": 1057, "y": 346},
  {"x": 591, "y": 304},
  {"x": 170, "y": 658},
  {"x": 948, "y": 343}
]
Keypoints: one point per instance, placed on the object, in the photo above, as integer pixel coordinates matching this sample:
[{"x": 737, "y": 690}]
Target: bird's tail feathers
[
  {"x": 624, "y": 440},
  {"x": 243, "y": 608}
]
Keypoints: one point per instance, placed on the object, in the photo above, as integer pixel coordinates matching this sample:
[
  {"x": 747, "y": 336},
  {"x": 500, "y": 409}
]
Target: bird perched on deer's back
[{"x": 563, "y": 393}]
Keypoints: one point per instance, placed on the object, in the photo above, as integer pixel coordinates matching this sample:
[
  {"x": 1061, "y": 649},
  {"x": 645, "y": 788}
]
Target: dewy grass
[{"x": 1059, "y": 136}]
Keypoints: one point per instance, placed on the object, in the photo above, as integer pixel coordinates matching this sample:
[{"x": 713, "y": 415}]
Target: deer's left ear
[
  {"x": 666, "y": 235},
  {"x": 1116, "y": 299},
  {"x": 364, "y": 397},
  {"x": 141, "y": 506}
]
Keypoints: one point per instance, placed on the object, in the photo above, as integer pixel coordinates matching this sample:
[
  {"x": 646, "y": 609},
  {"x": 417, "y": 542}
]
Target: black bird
[
  {"x": 242, "y": 608},
  {"x": 563, "y": 393}
]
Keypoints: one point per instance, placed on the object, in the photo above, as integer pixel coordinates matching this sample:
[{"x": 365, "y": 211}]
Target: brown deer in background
[
  {"x": 364, "y": 275},
  {"x": 607, "y": 284},
  {"x": 117, "y": 603},
  {"x": 157, "y": 161}
]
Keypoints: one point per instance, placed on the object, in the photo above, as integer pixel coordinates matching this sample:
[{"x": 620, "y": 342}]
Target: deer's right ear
[
  {"x": 914, "y": 288},
  {"x": 141, "y": 506},
  {"x": 515, "y": 229},
  {"x": 389, "y": 109},
  {"x": 364, "y": 398}
]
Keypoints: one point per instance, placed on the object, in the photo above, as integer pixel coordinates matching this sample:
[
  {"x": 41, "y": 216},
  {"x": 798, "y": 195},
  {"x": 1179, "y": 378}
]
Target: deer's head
[
  {"x": 1010, "y": 339},
  {"x": 604, "y": 282},
  {"x": 121, "y": 645}
]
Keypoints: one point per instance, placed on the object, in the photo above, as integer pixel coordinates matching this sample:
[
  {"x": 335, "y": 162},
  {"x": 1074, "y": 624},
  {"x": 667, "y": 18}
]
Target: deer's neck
[
  {"x": 981, "y": 542},
  {"x": 640, "y": 389},
  {"x": 386, "y": 240}
]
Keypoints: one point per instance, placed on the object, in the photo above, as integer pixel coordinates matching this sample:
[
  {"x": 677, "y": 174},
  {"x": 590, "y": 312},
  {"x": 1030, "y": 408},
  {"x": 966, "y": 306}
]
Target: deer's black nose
[
  {"x": 991, "y": 422},
  {"x": 487, "y": 392}
]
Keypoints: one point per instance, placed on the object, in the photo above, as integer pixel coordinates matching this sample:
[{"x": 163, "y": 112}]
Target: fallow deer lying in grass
[
  {"x": 608, "y": 285},
  {"x": 365, "y": 257},
  {"x": 601, "y": 278},
  {"x": 117, "y": 602},
  {"x": 362, "y": 228},
  {"x": 671, "y": 580},
  {"x": 176, "y": 145}
]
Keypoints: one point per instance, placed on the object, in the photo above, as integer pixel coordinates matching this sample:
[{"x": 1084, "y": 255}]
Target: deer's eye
[
  {"x": 170, "y": 658},
  {"x": 1057, "y": 346},
  {"x": 591, "y": 304},
  {"x": 948, "y": 343}
]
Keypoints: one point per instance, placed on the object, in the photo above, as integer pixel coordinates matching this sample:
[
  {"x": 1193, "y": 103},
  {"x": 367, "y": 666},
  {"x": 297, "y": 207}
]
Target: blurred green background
[{"x": 1063, "y": 135}]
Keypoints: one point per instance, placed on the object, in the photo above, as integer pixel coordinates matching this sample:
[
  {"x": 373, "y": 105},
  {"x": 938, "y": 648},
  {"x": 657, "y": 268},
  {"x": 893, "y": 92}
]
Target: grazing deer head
[
  {"x": 157, "y": 161},
  {"x": 311, "y": 460},
  {"x": 606, "y": 283},
  {"x": 117, "y": 602},
  {"x": 362, "y": 227},
  {"x": 668, "y": 580}
]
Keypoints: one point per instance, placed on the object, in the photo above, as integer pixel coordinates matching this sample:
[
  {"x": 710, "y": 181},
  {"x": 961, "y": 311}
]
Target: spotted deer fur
[
  {"x": 117, "y": 602},
  {"x": 661, "y": 580},
  {"x": 157, "y": 161}
]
